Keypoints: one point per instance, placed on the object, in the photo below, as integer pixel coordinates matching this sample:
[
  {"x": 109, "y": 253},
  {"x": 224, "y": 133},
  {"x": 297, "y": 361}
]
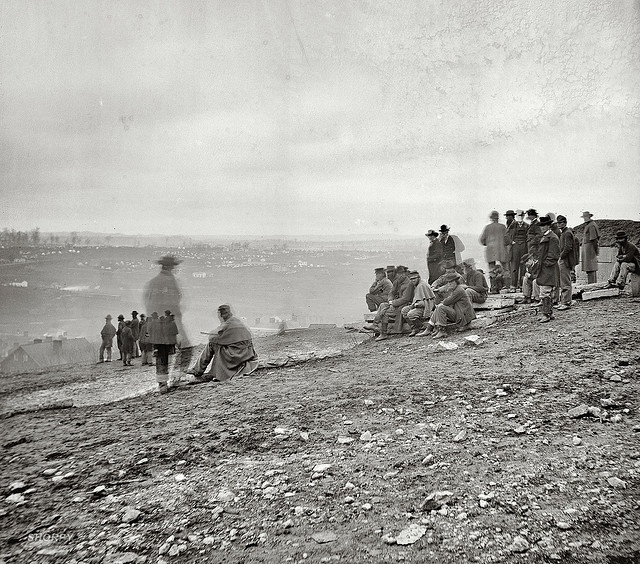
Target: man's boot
[
  {"x": 416, "y": 327},
  {"x": 426, "y": 331},
  {"x": 547, "y": 310},
  {"x": 383, "y": 332}
]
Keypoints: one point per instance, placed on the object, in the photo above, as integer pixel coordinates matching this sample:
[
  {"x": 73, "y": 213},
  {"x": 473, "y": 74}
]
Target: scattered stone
[
  {"x": 447, "y": 345},
  {"x": 483, "y": 503},
  {"x": 130, "y": 515},
  {"x": 99, "y": 491},
  {"x": 345, "y": 440},
  {"x": 577, "y": 441},
  {"x": 225, "y": 495},
  {"x": 165, "y": 548},
  {"x": 367, "y": 506},
  {"x": 324, "y": 537},
  {"x": 142, "y": 461},
  {"x": 615, "y": 378},
  {"x": 17, "y": 487},
  {"x": 411, "y": 534},
  {"x": 321, "y": 468},
  {"x": 427, "y": 459},
  {"x": 563, "y": 525},
  {"x": 179, "y": 477},
  {"x": 349, "y": 499},
  {"x": 461, "y": 436},
  {"x": 50, "y": 471},
  {"x": 281, "y": 431},
  {"x": 208, "y": 541},
  {"x": 125, "y": 558},
  {"x": 579, "y": 411},
  {"x": 287, "y": 524},
  {"x": 617, "y": 482},
  {"x": 435, "y": 500},
  {"x": 521, "y": 429},
  {"x": 617, "y": 418},
  {"x": 15, "y": 498},
  {"x": 368, "y": 402},
  {"x": 595, "y": 411},
  {"x": 519, "y": 544},
  {"x": 304, "y": 435},
  {"x": 388, "y": 539},
  {"x": 366, "y": 436}
]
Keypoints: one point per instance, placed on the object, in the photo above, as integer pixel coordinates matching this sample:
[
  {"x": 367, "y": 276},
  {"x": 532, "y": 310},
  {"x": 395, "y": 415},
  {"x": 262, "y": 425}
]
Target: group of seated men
[{"x": 404, "y": 301}]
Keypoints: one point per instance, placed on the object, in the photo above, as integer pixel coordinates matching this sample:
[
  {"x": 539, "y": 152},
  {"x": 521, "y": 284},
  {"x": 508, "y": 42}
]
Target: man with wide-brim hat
[
  {"x": 455, "y": 310},
  {"x": 379, "y": 290},
  {"x": 163, "y": 293},
  {"x": 448, "y": 244},
  {"x": 435, "y": 255},
  {"x": 590, "y": 248},
  {"x": 627, "y": 261},
  {"x": 548, "y": 273},
  {"x": 510, "y": 217},
  {"x": 493, "y": 238},
  {"x": 107, "y": 334}
]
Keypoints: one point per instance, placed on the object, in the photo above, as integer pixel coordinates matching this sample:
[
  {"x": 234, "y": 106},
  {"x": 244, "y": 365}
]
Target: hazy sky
[{"x": 322, "y": 116}]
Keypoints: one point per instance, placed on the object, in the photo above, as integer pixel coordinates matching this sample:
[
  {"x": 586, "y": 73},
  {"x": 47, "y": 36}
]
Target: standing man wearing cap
[
  {"x": 448, "y": 245},
  {"x": 567, "y": 262},
  {"x": 475, "y": 284},
  {"x": 379, "y": 290},
  {"x": 590, "y": 248},
  {"x": 422, "y": 304},
  {"x": 534, "y": 233},
  {"x": 435, "y": 255},
  {"x": 548, "y": 271},
  {"x": 231, "y": 349},
  {"x": 108, "y": 333},
  {"x": 517, "y": 237},
  {"x": 119, "y": 335},
  {"x": 135, "y": 330},
  {"x": 627, "y": 260},
  {"x": 493, "y": 237}
]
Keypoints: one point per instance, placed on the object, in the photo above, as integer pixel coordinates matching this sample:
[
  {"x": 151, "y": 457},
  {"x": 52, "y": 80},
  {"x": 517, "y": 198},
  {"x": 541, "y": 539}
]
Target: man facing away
[
  {"x": 548, "y": 274},
  {"x": 590, "y": 248},
  {"x": 108, "y": 333},
  {"x": 379, "y": 290},
  {"x": 567, "y": 262},
  {"x": 230, "y": 348},
  {"x": 423, "y": 301},
  {"x": 627, "y": 260},
  {"x": 493, "y": 237}
]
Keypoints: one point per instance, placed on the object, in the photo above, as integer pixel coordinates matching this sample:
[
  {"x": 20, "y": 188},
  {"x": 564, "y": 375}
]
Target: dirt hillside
[{"x": 393, "y": 451}]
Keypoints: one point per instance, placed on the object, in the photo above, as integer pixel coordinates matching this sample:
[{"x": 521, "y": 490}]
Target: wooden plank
[
  {"x": 595, "y": 294},
  {"x": 496, "y": 302}
]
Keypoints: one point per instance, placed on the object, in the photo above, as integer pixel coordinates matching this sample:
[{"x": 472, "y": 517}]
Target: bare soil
[{"x": 474, "y": 447}]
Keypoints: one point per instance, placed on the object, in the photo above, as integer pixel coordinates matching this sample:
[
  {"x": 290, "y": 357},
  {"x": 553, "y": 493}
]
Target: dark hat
[
  {"x": 431, "y": 233},
  {"x": 142, "y": 315},
  {"x": 414, "y": 274},
  {"x": 494, "y": 215},
  {"x": 587, "y": 214},
  {"x": 381, "y": 269},
  {"x": 533, "y": 212},
  {"x": 545, "y": 220},
  {"x": 169, "y": 260},
  {"x": 444, "y": 229},
  {"x": 134, "y": 312},
  {"x": 561, "y": 219},
  {"x": 510, "y": 212},
  {"x": 451, "y": 276},
  {"x": 224, "y": 308},
  {"x": 621, "y": 235},
  {"x": 390, "y": 267},
  {"x": 120, "y": 317},
  {"x": 167, "y": 312},
  {"x": 401, "y": 268}
]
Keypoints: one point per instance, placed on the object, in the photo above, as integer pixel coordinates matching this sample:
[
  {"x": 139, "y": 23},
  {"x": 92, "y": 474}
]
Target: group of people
[
  {"x": 229, "y": 352},
  {"x": 530, "y": 253}
]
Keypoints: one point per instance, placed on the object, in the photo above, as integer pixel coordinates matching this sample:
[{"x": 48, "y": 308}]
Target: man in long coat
[
  {"x": 533, "y": 233},
  {"x": 567, "y": 262},
  {"x": 493, "y": 237},
  {"x": 590, "y": 248},
  {"x": 229, "y": 350},
  {"x": 448, "y": 245},
  {"x": 379, "y": 290},
  {"x": 517, "y": 238},
  {"x": 548, "y": 272},
  {"x": 108, "y": 333},
  {"x": 435, "y": 256}
]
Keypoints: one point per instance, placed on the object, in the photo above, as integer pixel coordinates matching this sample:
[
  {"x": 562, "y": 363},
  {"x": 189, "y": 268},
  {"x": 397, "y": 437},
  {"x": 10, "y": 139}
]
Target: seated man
[
  {"x": 230, "y": 347},
  {"x": 497, "y": 276},
  {"x": 529, "y": 285},
  {"x": 439, "y": 283},
  {"x": 389, "y": 313},
  {"x": 455, "y": 309},
  {"x": 475, "y": 283},
  {"x": 627, "y": 260},
  {"x": 379, "y": 291},
  {"x": 420, "y": 308}
]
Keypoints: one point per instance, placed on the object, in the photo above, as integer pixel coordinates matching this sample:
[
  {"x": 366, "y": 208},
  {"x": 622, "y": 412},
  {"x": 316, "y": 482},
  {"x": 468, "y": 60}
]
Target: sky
[{"x": 258, "y": 118}]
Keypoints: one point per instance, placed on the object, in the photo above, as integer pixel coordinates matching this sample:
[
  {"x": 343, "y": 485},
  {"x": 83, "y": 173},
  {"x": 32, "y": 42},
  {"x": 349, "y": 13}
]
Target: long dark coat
[
  {"x": 567, "y": 252},
  {"x": 548, "y": 253},
  {"x": 435, "y": 254}
]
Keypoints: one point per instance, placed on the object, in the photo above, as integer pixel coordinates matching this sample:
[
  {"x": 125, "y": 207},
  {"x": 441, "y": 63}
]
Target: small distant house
[{"x": 39, "y": 355}]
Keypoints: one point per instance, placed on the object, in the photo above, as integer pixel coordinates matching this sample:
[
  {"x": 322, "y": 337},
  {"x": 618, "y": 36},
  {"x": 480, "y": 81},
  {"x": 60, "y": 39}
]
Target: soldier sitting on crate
[{"x": 627, "y": 260}]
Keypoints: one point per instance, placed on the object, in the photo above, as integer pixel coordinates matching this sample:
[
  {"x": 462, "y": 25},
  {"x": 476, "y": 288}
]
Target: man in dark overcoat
[
  {"x": 567, "y": 262},
  {"x": 548, "y": 271}
]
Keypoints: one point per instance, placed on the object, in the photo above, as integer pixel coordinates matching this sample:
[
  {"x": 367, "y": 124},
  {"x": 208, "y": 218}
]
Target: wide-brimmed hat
[
  {"x": 469, "y": 261},
  {"x": 587, "y": 214},
  {"x": 532, "y": 211},
  {"x": 431, "y": 233},
  {"x": 108, "y": 316},
  {"x": 414, "y": 274},
  {"x": 494, "y": 215},
  {"x": 121, "y": 317},
  {"x": 545, "y": 220},
  {"x": 444, "y": 229},
  {"x": 134, "y": 312},
  {"x": 519, "y": 213},
  {"x": 169, "y": 260},
  {"x": 621, "y": 235},
  {"x": 552, "y": 216},
  {"x": 509, "y": 212},
  {"x": 451, "y": 276}
]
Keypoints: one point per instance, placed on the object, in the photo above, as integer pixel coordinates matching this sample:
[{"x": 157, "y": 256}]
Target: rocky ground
[{"x": 523, "y": 447}]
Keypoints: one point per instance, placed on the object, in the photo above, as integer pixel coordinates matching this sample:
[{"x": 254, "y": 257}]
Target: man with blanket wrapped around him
[{"x": 229, "y": 350}]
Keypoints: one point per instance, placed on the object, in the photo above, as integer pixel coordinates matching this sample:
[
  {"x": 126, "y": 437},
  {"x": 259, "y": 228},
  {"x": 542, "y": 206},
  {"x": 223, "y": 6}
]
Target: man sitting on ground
[
  {"x": 627, "y": 260},
  {"x": 423, "y": 301},
  {"x": 475, "y": 283},
  {"x": 379, "y": 291},
  {"x": 230, "y": 348},
  {"x": 455, "y": 309}
]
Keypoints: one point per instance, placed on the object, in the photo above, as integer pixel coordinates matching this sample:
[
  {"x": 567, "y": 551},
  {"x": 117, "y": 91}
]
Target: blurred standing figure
[
  {"x": 493, "y": 237},
  {"x": 590, "y": 248},
  {"x": 108, "y": 333},
  {"x": 135, "y": 329},
  {"x": 435, "y": 256},
  {"x": 119, "y": 334}
]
